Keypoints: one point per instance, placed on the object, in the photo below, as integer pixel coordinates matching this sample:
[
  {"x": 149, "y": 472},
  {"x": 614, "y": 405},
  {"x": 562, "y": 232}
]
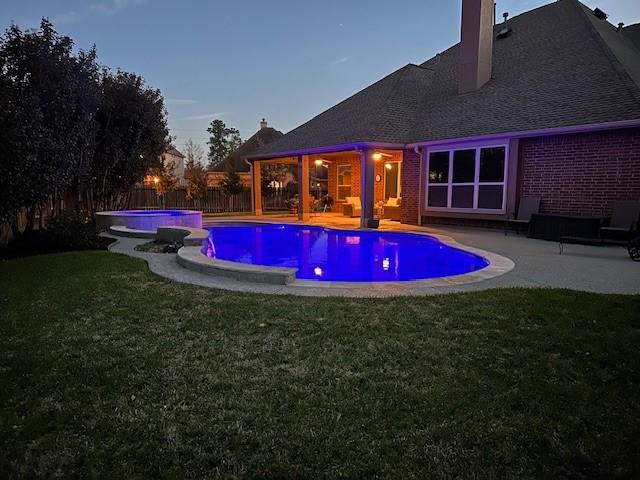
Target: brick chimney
[
  {"x": 476, "y": 44},
  {"x": 263, "y": 124}
]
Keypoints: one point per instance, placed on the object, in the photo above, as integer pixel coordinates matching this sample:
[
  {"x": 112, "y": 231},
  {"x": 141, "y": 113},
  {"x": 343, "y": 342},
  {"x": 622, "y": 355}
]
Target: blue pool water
[{"x": 340, "y": 255}]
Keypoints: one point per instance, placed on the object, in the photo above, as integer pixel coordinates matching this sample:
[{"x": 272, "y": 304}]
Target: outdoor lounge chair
[
  {"x": 391, "y": 209},
  {"x": 624, "y": 219},
  {"x": 528, "y": 206},
  {"x": 351, "y": 207}
]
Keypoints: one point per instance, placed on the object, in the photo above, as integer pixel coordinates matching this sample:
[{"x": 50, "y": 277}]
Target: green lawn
[{"x": 107, "y": 370}]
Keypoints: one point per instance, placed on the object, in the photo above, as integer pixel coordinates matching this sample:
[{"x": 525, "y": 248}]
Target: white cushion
[
  {"x": 355, "y": 201},
  {"x": 392, "y": 202}
]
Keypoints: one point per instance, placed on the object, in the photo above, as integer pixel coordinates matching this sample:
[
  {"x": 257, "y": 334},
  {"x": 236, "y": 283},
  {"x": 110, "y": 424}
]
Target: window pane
[
  {"x": 462, "y": 197},
  {"x": 492, "y": 164},
  {"x": 437, "y": 196},
  {"x": 391, "y": 180},
  {"x": 490, "y": 196},
  {"x": 344, "y": 174},
  {"x": 464, "y": 166},
  {"x": 439, "y": 167},
  {"x": 344, "y": 192}
]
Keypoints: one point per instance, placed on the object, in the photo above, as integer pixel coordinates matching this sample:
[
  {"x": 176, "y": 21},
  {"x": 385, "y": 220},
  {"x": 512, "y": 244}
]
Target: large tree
[
  {"x": 131, "y": 136},
  {"x": 48, "y": 102},
  {"x": 222, "y": 141}
]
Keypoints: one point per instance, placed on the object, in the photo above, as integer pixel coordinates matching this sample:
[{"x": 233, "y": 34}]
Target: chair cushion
[
  {"x": 355, "y": 201},
  {"x": 392, "y": 202}
]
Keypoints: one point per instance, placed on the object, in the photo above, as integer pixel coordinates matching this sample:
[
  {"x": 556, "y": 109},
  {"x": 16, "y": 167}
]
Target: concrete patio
[{"x": 537, "y": 263}]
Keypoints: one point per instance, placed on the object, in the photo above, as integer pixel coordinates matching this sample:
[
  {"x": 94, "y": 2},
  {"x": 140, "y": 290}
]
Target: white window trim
[
  {"x": 399, "y": 186},
  {"x": 477, "y": 146},
  {"x": 338, "y": 184}
]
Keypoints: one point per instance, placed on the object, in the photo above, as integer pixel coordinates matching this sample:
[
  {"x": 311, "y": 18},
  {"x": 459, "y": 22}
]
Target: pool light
[{"x": 317, "y": 271}]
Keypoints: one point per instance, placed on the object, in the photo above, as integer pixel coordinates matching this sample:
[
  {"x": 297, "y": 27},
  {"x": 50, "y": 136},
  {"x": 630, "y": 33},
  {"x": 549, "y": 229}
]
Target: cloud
[
  {"x": 206, "y": 116},
  {"x": 340, "y": 60},
  {"x": 66, "y": 17},
  {"x": 107, "y": 8},
  {"x": 181, "y": 101},
  {"x": 114, "y": 6}
]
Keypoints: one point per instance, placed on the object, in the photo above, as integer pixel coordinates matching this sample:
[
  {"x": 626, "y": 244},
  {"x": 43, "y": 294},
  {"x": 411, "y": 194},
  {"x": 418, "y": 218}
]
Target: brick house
[{"x": 544, "y": 104}]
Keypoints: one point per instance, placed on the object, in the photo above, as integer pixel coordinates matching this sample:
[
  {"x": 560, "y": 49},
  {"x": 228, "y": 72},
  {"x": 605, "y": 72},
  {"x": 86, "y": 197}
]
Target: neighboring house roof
[
  {"x": 560, "y": 67},
  {"x": 262, "y": 137},
  {"x": 175, "y": 152}
]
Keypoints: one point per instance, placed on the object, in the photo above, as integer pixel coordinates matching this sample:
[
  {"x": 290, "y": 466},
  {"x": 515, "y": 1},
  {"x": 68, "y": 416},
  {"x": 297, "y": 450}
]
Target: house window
[
  {"x": 467, "y": 179},
  {"x": 344, "y": 181},
  {"x": 391, "y": 180}
]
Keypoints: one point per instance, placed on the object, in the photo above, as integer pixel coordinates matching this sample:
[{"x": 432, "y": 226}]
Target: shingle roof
[
  {"x": 262, "y": 137},
  {"x": 560, "y": 67},
  {"x": 633, "y": 33}
]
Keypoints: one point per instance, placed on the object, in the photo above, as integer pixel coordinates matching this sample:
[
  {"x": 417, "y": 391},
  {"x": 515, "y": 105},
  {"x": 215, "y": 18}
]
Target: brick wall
[
  {"x": 581, "y": 174},
  {"x": 354, "y": 160},
  {"x": 410, "y": 187}
]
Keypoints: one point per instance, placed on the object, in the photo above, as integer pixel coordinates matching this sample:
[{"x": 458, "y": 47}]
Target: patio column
[
  {"x": 303, "y": 188},
  {"x": 367, "y": 178},
  {"x": 256, "y": 190}
]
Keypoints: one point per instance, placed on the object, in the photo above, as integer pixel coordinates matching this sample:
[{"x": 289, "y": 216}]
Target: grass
[{"x": 109, "y": 371}]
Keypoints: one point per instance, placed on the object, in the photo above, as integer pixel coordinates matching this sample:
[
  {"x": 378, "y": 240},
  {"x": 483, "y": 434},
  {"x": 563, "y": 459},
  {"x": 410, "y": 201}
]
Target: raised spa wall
[{"x": 149, "y": 221}]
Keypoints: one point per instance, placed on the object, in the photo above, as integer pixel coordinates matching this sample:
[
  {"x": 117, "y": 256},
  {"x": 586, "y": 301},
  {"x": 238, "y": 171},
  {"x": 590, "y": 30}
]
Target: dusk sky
[{"x": 244, "y": 60}]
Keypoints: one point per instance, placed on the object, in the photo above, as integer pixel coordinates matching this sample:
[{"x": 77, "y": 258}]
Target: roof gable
[{"x": 262, "y": 137}]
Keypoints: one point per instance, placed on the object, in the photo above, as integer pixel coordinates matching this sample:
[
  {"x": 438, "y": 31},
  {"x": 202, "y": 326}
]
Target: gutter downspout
[{"x": 418, "y": 150}]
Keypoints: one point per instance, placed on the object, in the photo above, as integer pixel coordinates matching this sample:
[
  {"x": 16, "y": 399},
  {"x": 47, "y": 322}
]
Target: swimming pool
[{"x": 325, "y": 254}]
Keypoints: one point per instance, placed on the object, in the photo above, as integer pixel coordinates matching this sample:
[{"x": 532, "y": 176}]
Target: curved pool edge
[{"x": 192, "y": 257}]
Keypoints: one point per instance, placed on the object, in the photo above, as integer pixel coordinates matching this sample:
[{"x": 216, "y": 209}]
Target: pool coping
[{"x": 193, "y": 257}]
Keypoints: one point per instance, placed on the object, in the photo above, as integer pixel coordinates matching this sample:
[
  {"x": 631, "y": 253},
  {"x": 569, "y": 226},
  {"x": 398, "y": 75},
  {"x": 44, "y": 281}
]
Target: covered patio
[{"x": 362, "y": 182}]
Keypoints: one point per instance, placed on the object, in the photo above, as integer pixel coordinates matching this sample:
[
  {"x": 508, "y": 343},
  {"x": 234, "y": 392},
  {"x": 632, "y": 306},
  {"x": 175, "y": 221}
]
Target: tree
[
  {"x": 48, "y": 102},
  {"x": 222, "y": 141},
  {"x": 131, "y": 136},
  {"x": 193, "y": 152},
  {"x": 275, "y": 173},
  {"x": 194, "y": 171},
  {"x": 231, "y": 182},
  {"x": 164, "y": 177}
]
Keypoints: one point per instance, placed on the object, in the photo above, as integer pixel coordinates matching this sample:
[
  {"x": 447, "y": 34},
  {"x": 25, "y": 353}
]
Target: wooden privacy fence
[{"x": 215, "y": 201}]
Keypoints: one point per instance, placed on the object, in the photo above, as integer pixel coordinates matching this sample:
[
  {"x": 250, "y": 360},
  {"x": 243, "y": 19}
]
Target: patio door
[{"x": 392, "y": 180}]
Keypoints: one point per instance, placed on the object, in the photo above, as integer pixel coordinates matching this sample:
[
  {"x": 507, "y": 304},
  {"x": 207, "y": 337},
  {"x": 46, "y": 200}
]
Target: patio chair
[
  {"x": 624, "y": 219},
  {"x": 351, "y": 207},
  {"x": 391, "y": 209},
  {"x": 528, "y": 206}
]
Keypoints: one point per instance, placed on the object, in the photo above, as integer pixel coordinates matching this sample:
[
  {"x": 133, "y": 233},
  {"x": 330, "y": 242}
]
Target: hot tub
[{"x": 149, "y": 220}]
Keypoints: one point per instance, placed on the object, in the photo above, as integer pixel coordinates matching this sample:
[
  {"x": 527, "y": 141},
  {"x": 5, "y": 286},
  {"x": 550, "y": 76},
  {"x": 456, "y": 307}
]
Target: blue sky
[{"x": 286, "y": 60}]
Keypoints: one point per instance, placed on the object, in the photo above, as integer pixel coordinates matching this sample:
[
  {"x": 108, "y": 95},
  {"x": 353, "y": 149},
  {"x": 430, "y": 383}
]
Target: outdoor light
[
  {"x": 377, "y": 156},
  {"x": 385, "y": 263},
  {"x": 317, "y": 271},
  {"x": 318, "y": 162}
]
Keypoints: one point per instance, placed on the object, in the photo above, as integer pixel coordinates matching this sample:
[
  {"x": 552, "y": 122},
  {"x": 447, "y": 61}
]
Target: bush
[{"x": 66, "y": 232}]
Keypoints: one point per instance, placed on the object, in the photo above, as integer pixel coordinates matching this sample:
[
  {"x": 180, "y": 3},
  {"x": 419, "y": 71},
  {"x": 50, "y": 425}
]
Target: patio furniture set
[
  {"x": 390, "y": 209},
  {"x": 622, "y": 228}
]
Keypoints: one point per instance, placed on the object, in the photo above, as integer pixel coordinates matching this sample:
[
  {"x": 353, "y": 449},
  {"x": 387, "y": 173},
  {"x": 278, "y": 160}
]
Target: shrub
[{"x": 65, "y": 232}]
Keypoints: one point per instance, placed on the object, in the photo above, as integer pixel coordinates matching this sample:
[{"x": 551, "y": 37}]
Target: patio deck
[{"x": 537, "y": 263}]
